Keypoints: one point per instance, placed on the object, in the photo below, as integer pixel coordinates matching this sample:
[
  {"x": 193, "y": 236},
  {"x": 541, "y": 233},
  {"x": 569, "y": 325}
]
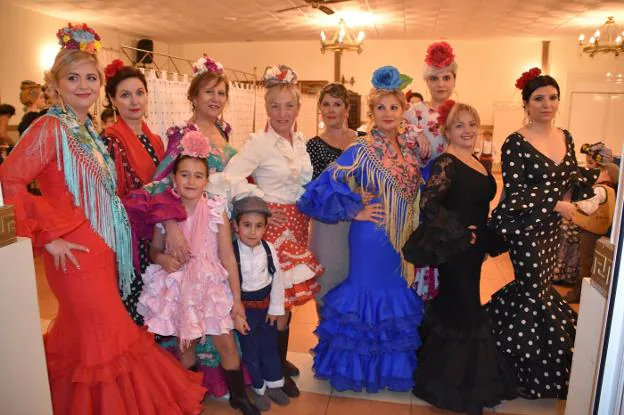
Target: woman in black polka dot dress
[
  {"x": 135, "y": 150},
  {"x": 534, "y": 328}
]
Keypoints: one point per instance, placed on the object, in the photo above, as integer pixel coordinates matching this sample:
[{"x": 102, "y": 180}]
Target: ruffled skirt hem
[
  {"x": 144, "y": 380},
  {"x": 368, "y": 338},
  {"x": 462, "y": 370}
]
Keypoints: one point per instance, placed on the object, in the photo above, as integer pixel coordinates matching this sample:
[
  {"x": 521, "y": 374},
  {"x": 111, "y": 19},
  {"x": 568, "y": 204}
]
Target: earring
[
  {"x": 62, "y": 104},
  {"x": 114, "y": 115}
]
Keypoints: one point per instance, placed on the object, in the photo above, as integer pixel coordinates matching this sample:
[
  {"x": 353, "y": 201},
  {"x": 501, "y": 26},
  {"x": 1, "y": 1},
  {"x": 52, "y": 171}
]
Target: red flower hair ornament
[
  {"x": 439, "y": 55},
  {"x": 444, "y": 111},
  {"x": 527, "y": 77},
  {"x": 112, "y": 68}
]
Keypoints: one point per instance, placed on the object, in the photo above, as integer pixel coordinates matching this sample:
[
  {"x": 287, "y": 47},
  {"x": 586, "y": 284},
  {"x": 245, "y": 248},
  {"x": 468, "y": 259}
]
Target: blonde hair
[
  {"x": 613, "y": 171},
  {"x": 376, "y": 94},
  {"x": 29, "y": 93},
  {"x": 432, "y": 70},
  {"x": 63, "y": 62},
  {"x": 454, "y": 114},
  {"x": 275, "y": 90}
]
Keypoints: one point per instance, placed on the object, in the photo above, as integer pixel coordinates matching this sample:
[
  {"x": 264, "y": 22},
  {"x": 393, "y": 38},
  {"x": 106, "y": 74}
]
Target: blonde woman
[
  {"x": 33, "y": 99},
  {"x": 99, "y": 361},
  {"x": 368, "y": 334},
  {"x": 280, "y": 166}
]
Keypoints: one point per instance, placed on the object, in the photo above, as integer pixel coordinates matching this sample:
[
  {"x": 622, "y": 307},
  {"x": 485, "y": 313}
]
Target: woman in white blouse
[{"x": 280, "y": 166}]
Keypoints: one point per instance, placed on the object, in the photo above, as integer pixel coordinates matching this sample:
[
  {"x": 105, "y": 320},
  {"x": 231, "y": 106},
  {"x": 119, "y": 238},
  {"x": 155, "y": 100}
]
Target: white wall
[
  {"x": 26, "y": 37},
  {"x": 487, "y": 68}
]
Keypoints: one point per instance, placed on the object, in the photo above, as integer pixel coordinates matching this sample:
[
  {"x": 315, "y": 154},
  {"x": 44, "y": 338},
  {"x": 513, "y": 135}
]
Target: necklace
[{"x": 340, "y": 143}]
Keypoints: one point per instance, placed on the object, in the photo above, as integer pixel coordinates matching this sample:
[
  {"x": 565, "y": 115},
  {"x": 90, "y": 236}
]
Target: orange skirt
[
  {"x": 99, "y": 361},
  {"x": 299, "y": 267}
]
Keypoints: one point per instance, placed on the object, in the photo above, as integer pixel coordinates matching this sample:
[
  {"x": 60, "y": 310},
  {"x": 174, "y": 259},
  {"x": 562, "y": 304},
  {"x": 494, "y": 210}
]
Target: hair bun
[{"x": 27, "y": 84}]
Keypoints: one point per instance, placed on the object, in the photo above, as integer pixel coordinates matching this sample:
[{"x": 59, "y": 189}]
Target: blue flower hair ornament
[{"x": 389, "y": 78}]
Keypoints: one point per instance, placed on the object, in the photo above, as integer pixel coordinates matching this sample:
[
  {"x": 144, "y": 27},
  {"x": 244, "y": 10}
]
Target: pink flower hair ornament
[
  {"x": 195, "y": 144},
  {"x": 79, "y": 37},
  {"x": 205, "y": 64}
]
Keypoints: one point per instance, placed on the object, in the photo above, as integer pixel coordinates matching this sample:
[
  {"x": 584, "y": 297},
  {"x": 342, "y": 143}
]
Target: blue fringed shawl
[{"x": 90, "y": 177}]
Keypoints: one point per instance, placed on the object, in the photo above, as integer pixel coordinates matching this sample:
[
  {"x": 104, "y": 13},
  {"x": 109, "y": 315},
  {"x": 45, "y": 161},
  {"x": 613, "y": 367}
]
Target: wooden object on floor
[{"x": 7, "y": 225}]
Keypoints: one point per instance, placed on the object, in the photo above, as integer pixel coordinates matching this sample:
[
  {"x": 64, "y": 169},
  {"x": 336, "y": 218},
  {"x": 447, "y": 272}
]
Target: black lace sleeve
[{"x": 441, "y": 234}]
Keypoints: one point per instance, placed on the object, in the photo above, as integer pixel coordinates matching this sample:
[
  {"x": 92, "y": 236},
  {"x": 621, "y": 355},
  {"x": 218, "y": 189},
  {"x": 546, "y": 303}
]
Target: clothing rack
[{"x": 234, "y": 74}]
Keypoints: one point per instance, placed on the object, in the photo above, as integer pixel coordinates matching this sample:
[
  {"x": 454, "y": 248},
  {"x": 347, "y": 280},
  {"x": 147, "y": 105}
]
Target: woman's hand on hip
[
  {"x": 373, "y": 212},
  {"x": 278, "y": 217},
  {"x": 61, "y": 250}
]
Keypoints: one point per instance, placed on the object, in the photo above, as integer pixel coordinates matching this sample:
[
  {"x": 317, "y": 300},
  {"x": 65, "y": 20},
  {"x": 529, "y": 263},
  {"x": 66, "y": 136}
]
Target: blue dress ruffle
[
  {"x": 368, "y": 335},
  {"x": 329, "y": 200}
]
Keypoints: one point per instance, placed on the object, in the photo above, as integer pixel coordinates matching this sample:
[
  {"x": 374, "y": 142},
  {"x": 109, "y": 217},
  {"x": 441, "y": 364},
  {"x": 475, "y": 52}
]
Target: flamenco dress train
[
  {"x": 368, "y": 333},
  {"x": 461, "y": 369},
  {"x": 533, "y": 326},
  {"x": 99, "y": 361}
]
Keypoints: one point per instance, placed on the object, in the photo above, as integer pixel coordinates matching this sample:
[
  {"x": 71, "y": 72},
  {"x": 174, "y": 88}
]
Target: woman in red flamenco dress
[{"x": 99, "y": 361}]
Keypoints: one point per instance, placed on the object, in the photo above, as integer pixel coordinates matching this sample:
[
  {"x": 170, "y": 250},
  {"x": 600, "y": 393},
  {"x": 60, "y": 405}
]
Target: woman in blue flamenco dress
[{"x": 368, "y": 333}]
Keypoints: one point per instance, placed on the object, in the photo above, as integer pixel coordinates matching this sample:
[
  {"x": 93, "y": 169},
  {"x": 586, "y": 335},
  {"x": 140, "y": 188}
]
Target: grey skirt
[{"x": 330, "y": 245}]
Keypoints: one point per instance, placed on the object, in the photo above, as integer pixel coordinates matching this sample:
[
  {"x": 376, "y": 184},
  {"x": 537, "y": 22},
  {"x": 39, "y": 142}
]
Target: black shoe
[
  {"x": 244, "y": 405},
  {"x": 290, "y": 369},
  {"x": 290, "y": 387},
  {"x": 238, "y": 396}
]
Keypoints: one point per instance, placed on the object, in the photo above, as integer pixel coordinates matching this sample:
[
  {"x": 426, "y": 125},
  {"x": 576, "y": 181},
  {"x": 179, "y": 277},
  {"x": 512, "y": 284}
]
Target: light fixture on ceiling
[
  {"x": 342, "y": 40},
  {"x": 606, "y": 39}
]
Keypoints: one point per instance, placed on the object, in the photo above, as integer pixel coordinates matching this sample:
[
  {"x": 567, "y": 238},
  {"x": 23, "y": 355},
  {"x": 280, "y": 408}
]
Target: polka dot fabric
[
  {"x": 321, "y": 155},
  {"x": 533, "y": 327},
  {"x": 133, "y": 182},
  {"x": 299, "y": 267}
]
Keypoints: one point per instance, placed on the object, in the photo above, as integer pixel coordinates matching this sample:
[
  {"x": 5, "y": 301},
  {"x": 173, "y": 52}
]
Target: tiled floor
[{"x": 317, "y": 397}]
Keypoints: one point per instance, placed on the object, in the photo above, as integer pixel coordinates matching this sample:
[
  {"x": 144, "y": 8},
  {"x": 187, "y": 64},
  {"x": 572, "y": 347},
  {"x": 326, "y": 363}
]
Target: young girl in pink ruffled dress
[{"x": 201, "y": 297}]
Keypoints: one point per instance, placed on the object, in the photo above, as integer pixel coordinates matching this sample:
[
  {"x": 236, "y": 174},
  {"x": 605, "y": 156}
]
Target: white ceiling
[{"x": 190, "y": 21}]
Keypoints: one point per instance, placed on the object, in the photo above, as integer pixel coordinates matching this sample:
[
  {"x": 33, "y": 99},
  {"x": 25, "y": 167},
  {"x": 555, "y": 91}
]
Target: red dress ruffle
[
  {"x": 299, "y": 267},
  {"x": 99, "y": 361}
]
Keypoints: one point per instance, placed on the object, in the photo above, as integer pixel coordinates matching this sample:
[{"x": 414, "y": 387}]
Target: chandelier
[
  {"x": 342, "y": 40},
  {"x": 606, "y": 39}
]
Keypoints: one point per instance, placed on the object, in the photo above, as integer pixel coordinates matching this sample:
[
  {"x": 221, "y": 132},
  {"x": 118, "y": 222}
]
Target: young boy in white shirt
[{"x": 262, "y": 293}]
